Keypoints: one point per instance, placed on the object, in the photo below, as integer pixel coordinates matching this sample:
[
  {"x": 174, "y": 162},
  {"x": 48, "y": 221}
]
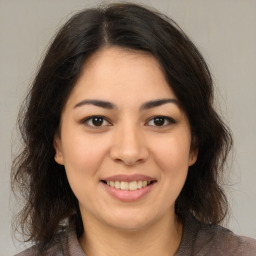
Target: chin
[
  {"x": 130, "y": 222},
  {"x": 130, "y": 227}
]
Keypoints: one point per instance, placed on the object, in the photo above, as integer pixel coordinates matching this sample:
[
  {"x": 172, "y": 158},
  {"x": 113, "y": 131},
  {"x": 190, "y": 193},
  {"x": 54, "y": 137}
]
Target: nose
[{"x": 129, "y": 146}]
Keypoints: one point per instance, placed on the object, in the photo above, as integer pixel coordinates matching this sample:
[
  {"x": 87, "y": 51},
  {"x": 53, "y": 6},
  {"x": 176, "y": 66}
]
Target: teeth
[
  {"x": 144, "y": 183},
  {"x": 117, "y": 184},
  {"x": 133, "y": 185},
  {"x": 124, "y": 185}
]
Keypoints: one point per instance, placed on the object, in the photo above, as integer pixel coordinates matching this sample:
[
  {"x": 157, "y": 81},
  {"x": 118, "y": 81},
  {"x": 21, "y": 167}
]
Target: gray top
[{"x": 198, "y": 240}]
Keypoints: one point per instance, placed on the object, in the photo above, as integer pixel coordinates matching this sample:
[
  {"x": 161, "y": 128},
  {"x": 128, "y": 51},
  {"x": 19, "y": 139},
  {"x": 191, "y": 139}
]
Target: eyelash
[
  {"x": 167, "y": 121},
  {"x": 90, "y": 118}
]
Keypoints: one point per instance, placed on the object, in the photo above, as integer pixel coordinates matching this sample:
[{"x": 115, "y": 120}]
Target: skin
[{"x": 128, "y": 141}]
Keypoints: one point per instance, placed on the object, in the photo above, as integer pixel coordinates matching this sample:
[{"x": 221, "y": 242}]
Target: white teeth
[
  {"x": 133, "y": 185},
  {"x": 139, "y": 184},
  {"x": 117, "y": 184},
  {"x": 124, "y": 185},
  {"x": 144, "y": 183}
]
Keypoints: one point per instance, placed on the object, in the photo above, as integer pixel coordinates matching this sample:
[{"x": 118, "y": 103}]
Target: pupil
[
  {"x": 159, "y": 121},
  {"x": 97, "y": 121}
]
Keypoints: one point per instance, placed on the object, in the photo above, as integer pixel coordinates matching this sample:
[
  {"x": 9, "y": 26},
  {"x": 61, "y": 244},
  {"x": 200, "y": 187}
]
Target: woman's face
[{"x": 124, "y": 141}]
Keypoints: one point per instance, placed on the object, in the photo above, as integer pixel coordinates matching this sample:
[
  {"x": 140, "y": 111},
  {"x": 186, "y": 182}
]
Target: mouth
[
  {"x": 128, "y": 188},
  {"x": 128, "y": 185}
]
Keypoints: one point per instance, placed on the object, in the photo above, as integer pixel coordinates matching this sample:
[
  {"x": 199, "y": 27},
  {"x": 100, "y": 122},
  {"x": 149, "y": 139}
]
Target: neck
[{"x": 161, "y": 238}]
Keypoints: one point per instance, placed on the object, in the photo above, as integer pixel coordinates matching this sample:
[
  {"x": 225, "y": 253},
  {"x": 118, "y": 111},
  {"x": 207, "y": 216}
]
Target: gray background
[{"x": 224, "y": 31}]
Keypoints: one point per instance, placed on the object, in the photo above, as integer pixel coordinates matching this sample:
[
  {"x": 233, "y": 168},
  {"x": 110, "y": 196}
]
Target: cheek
[
  {"x": 173, "y": 152},
  {"x": 82, "y": 160},
  {"x": 82, "y": 150},
  {"x": 172, "y": 156}
]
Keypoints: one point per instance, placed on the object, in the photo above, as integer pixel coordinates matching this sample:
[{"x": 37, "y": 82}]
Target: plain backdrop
[{"x": 223, "y": 30}]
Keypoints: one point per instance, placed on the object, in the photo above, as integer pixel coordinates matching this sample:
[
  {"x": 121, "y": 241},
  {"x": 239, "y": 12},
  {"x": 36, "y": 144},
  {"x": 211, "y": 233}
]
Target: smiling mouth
[{"x": 132, "y": 185}]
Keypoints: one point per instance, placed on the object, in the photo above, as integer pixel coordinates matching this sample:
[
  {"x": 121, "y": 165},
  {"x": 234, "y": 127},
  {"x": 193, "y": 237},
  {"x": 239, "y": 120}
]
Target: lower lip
[{"x": 128, "y": 195}]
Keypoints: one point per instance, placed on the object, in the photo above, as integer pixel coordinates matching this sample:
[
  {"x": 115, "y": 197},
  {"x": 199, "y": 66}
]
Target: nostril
[{"x": 129, "y": 153}]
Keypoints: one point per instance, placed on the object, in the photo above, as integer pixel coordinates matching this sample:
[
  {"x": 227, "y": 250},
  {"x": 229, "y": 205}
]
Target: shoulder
[
  {"x": 247, "y": 245},
  {"x": 34, "y": 250},
  {"x": 211, "y": 240},
  {"x": 65, "y": 243},
  {"x": 54, "y": 248},
  {"x": 216, "y": 240}
]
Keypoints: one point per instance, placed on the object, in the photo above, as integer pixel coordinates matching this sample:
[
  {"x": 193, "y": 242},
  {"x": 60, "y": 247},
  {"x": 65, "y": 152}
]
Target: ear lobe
[
  {"x": 193, "y": 156},
  {"x": 58, "y": 150},
  {"x": 193, "y": 150}
]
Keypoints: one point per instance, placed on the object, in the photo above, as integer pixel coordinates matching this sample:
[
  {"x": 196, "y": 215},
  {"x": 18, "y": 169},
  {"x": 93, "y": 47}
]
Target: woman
[{"x": 123, "y": 151}]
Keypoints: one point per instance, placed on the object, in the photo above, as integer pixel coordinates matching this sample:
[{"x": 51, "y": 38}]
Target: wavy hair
[{"x": 49, "y": 200}]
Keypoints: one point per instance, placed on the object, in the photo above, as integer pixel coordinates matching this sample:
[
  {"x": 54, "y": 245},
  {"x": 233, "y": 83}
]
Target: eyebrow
[
  {"x": 157, "y": 103},
  {"x": 109, "y": 105},
  {"x": 98, "y": 103}
]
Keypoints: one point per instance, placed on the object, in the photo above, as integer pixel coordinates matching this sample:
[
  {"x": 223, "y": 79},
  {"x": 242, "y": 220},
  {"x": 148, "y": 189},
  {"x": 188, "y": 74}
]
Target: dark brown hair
[{"x": 49, "y": 200}]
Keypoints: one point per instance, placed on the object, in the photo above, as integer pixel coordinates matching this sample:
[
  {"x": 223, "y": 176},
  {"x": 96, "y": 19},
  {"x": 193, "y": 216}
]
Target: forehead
[{"x": 118, "y": 74}]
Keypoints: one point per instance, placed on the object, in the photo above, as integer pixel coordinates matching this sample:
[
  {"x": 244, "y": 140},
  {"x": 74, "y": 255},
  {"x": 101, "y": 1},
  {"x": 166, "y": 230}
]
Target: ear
[
  {"x": 58, "y": 150},
  {"x": 193, "y": 151},
  {"x": 193, "y": 156}
]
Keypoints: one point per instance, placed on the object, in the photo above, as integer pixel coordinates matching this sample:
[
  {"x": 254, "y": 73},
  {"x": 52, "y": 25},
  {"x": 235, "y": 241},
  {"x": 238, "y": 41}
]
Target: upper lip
[{"x": 129, "y": 178}]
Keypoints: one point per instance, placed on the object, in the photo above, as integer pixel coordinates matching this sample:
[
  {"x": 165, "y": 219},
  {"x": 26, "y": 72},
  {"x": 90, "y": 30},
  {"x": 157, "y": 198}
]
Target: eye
[
  {"x": 161, "y": 121},
  {"x": 96, "y": 121}
]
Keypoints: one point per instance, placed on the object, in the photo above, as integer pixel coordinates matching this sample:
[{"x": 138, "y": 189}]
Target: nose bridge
[{"x": 128, "y": 144}]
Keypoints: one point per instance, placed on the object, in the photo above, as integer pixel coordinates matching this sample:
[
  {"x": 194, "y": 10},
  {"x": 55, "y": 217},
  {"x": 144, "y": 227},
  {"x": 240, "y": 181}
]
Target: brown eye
[
  {"x": 96, "y": 121},
  {"x": 161, "y": 121}
]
